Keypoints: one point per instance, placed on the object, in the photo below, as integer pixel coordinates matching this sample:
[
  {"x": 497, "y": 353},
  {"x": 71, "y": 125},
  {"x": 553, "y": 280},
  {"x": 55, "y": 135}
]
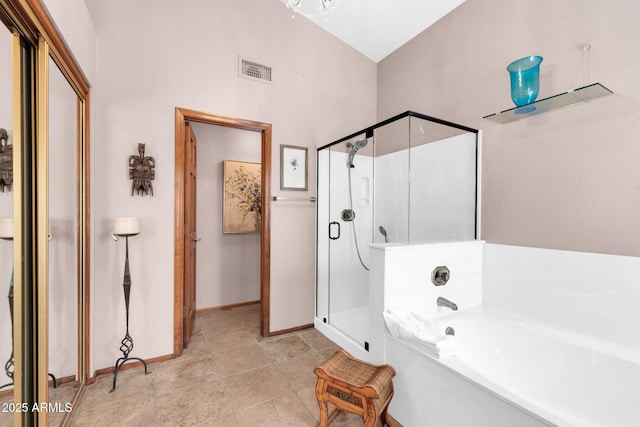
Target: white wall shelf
[{"x": 564, "y": 99}]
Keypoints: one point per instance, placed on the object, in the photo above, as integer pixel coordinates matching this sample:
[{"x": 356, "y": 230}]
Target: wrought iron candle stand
[
  {"x": 126, "y": 345},
  {"x": 6, "y": 233},
  {"x": 9, "y": 366}
]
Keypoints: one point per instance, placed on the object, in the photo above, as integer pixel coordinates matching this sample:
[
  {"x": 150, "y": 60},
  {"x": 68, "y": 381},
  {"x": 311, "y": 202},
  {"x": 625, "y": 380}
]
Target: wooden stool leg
[
  {"x": 369, "y": 422},
  {"x": 324, "y": 416},
  {"x": 383, "y": 417},
  {"x": 369, "y": 416}
]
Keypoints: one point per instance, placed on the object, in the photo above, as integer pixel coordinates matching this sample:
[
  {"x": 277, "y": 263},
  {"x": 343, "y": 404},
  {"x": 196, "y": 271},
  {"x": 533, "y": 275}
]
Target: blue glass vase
[{"x": 525, "y": 79}]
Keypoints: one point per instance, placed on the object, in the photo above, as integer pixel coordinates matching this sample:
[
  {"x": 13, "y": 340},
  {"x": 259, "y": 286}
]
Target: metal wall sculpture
[
  {"x": 6, "y": 161},
  {"x": 142, "y": 172}
]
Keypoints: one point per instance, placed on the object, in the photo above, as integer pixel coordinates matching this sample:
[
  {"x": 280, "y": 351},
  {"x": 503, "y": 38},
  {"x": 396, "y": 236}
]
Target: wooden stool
[{"x": 354, "y": 386}]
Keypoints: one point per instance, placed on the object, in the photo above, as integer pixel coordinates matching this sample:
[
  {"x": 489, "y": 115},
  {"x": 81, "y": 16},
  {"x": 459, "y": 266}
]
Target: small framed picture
[{"x": 293, "y": 168}]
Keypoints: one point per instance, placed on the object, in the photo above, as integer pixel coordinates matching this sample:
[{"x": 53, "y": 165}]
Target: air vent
[{"x": 254, "y": 71}]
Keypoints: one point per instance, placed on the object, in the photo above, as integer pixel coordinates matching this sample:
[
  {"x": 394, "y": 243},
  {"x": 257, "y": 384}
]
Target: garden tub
[{"x": 551, "y": 376}]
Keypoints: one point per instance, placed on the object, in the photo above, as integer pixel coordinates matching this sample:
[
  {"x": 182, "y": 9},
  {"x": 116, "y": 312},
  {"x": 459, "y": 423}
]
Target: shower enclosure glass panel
[
  {"x": 443, "y": 182},
  {"x": 392, "y": 186},
  {"x": 350, "y": 206},
  {"x": 408, "y": 179},
  {"x": 324, "y": 228}
]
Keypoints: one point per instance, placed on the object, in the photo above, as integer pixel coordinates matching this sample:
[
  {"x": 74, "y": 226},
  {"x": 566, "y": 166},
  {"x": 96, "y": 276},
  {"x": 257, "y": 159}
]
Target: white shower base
[
  {"x": 349, "y": 329},
  {"x": 353, "y": 323}
]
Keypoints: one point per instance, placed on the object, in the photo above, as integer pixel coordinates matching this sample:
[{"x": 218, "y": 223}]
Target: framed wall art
[
  {"x": 242, "y": 204},
  {"x": 293, "y": 168}
]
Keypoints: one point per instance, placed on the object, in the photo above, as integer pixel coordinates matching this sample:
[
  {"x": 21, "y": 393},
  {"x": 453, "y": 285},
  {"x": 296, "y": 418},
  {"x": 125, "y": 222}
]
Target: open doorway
[{"x": 184, "y": 283}]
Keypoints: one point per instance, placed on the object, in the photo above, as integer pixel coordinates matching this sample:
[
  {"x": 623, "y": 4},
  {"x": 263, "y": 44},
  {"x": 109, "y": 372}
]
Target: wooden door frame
[{"x": 183, "y": 115}]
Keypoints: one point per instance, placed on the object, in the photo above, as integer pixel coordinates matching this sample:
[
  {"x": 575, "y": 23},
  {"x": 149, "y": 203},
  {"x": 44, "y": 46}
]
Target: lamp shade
[
  {"x": 6, "y": 228},
  {"x": 126, "y": 225}
]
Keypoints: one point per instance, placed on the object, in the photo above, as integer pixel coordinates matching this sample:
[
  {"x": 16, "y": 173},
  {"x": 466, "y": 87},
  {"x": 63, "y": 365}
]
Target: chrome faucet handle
[{"x": 440, "y": 275}]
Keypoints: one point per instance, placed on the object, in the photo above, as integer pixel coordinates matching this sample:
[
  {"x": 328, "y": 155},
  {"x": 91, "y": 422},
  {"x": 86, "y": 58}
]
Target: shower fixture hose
[{"x": 353, "y": 221}]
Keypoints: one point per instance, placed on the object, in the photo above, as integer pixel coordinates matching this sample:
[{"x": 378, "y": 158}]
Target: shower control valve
[
  {"x": 440, "y": 275},
  {"x": 348, "y": 215}
]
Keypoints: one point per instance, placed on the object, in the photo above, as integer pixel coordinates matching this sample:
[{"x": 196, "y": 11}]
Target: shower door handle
[{"x": 331, "y": 227}]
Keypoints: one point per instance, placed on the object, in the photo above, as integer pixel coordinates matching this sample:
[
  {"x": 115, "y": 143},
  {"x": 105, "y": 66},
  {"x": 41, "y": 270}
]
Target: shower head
[
  {"x": 358, "y": 144},
  {"x": 383, "y": 231},
  {"x": 354, "y": 149}
]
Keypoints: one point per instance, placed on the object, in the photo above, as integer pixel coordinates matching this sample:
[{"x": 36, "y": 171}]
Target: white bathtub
[{"x": 551, "y": 376}]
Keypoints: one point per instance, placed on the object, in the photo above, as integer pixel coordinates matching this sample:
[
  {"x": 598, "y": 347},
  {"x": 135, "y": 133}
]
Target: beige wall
[
  {"x": 154, "y": 56},
  {"x": 565, "y": 179},
  {"x": 74, "y": 23}
]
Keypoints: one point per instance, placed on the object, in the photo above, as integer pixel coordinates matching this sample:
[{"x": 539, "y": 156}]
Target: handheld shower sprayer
[
  {"x": 354, "y": 149},
  {"x": 383, "y": 231},
  {"x": 349, "y": 214}
]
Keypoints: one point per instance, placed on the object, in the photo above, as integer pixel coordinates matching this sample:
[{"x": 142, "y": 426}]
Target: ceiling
[{"x": 376, "y": 28}]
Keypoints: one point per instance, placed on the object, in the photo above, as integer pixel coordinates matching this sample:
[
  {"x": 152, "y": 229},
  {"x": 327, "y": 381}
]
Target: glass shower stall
[{"x": 409, "y": 179}]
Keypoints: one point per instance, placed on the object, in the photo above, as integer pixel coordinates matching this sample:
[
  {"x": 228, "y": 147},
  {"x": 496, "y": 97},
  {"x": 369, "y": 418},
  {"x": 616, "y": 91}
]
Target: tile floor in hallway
[{"x": 228, "y": 376}]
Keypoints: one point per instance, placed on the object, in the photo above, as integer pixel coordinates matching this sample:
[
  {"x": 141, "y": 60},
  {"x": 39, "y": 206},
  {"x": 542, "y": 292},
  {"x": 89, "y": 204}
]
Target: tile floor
[{"x": 229, "y": 376}]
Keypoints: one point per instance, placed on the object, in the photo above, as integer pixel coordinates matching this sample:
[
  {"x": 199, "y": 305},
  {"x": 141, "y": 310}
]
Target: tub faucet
[{"x": 443, "y": 302}]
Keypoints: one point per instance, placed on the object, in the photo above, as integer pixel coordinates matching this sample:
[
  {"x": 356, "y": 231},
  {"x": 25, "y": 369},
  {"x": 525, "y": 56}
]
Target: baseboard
[
  {"x": 59, "y": 382},
  {"x": 63, "y": 380},
  {"x": 131, "y": 365},
  {"x": 226, "y": 307},
  {"x": 287, "y": 331}
]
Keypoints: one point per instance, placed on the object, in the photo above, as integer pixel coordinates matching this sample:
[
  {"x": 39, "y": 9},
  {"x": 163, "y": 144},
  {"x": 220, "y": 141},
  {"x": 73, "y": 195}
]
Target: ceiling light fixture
[{"x": 312, "y": 8}]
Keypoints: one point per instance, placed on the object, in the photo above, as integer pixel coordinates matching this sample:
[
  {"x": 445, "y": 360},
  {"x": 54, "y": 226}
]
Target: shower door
[{"x": 348, "y": 215}]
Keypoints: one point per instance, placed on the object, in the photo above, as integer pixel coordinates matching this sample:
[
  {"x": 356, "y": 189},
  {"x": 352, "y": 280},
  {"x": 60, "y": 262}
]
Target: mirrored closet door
[
  {"x": 63, "y": 243},
  {"x": 45, "y": 104},
  {"x": 63, "y": 234},
  {"x": 7, "y": 365}
]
